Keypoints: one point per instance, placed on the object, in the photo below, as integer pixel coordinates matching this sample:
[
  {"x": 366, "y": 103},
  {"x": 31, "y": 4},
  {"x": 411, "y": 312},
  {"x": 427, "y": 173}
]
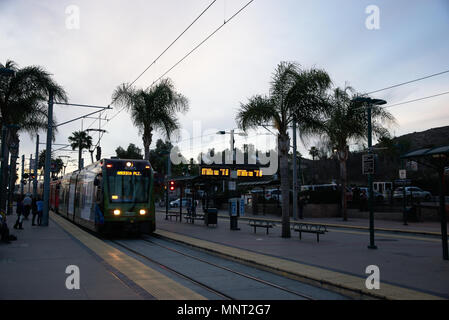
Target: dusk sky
[{"x": 118, "y": 39}]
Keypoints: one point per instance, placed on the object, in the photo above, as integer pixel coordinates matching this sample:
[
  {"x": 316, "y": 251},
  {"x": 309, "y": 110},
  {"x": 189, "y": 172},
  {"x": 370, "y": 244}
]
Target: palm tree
[
  {"x": 23, "y": 106},
  {"x": 295, "y": 95},
  {"x": 80, "y": 140},
  {"x": 152, "y": 109},
  {"x": 314, "y": 153},
  {"x": 346, "y": 121}
]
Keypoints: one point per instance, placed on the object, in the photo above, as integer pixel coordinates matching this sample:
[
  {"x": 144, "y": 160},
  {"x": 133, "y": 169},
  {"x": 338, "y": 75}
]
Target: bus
[{"x": 109, "y": 196}]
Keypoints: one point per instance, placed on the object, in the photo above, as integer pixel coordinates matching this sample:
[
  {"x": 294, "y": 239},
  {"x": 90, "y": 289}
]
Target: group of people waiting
[{"x": 26, "y": 205}]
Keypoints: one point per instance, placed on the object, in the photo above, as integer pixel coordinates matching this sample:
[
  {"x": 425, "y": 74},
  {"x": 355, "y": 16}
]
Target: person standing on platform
[
  {"x": 19, "y": 210},
  {"x": 40, "y": 209},
  {"x": 27, "y": 202}
]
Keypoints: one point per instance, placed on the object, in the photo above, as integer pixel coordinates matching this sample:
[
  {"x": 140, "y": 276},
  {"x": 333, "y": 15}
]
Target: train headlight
[
  {"x": 117, "y": 212},
  {"x": 143, "y": 212}
]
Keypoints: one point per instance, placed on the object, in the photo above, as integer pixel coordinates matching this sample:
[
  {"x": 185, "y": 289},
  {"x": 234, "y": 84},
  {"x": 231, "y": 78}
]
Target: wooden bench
[
  {"x": 310, "y": 228},
  {"x": 261, "y": 224}
]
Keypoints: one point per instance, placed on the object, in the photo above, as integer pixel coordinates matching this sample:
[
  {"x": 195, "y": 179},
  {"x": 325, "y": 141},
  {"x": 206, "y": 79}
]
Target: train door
[{"x": 72, "y": 196}]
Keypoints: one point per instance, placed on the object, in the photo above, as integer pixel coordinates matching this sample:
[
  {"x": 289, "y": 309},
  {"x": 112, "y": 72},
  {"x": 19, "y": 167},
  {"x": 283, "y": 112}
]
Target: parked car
[
  {"x": 413, "y": 192},
  {"x": 364, "y": 192},
  {"x": 185, "y": 203},
  {"x": 276, "y": 195}
]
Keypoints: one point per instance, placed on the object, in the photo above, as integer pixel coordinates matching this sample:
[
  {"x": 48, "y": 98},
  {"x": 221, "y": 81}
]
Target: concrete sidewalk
[
  {"x": 33, "y": 267},
  {"x": 406, "y": 262}
]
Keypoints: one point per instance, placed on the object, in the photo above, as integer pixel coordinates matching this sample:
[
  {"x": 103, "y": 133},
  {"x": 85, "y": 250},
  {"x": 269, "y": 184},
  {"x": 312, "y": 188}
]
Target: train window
[{"x": 132, "y": 188}]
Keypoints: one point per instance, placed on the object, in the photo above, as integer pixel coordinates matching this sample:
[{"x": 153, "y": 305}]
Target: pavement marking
[
  {"x": 155, "y": 283},
  {"x": 322, "y": 275}
]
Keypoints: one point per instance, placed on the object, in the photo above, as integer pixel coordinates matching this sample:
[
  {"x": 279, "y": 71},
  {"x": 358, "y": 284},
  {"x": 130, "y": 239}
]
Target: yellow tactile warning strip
[
  {"x": 340, "y": 280},
  {"x": 155, "y": 283}
]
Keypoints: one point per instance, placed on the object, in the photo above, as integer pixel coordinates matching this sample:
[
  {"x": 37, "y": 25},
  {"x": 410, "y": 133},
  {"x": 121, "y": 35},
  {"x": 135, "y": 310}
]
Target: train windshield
[{"x": 132, "y": 188}]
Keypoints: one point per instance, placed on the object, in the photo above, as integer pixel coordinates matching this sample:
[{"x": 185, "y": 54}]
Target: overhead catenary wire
[
  {"x": 190, "y": 52},
  {"x": 161, "y": 54},
  {"x": 202, "y": 42},
  {"x": 416, "y": 100},
  {"x": 408, "y": 82}
]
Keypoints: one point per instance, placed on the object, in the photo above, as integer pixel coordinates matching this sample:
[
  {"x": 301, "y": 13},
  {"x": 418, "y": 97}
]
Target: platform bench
[
  {"x": 171, "y": 215},
  {"x": 192, "y": 218},
  {"x": 310, "y": 228},
  {"x": 261, "y": 224}
]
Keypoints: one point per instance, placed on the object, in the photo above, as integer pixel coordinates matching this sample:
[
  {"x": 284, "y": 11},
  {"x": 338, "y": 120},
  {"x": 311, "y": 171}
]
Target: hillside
[
  {"x": 388, "y": 164},
  {"x": 430, "y": 138}
]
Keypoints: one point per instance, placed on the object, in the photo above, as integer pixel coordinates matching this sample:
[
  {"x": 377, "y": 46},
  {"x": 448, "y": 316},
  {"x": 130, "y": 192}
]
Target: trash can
[{"x": 211, "y": 216}]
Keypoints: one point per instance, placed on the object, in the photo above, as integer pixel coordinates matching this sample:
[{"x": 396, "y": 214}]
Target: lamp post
[{"x": 370, "y": 103}]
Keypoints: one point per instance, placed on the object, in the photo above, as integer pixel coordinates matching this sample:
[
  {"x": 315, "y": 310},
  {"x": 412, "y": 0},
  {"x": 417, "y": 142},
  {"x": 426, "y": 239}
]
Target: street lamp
[
  {"x": 370, "y": 103},
  {"x": 232, "y": 133}
]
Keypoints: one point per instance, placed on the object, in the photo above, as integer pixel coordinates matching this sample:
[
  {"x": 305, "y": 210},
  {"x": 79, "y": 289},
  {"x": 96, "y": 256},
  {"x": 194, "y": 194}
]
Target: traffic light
[
  {"x": 98, "y": 156},
  {"x": 172, "y": 186}
]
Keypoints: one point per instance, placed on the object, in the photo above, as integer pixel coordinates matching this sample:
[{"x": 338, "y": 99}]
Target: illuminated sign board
[
  {"x": 226, "y": 172},
  {"x": 222, "y": 172},
  {"x": 129, "y": 173},
  {"x": 249, "y": 173}
]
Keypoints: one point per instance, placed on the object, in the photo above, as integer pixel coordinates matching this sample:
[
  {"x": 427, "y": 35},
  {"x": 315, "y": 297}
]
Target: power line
[
  {"x": 408, "y": 82},
  {"x": 202, "y": 42},
  {"x": 415, "y": 100},
  {"x": 163, "y": 52},
  {"x": 194, "y": 49}
]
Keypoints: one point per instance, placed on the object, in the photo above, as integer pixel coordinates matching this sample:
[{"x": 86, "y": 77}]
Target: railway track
[{"x": 208, "y": 263}]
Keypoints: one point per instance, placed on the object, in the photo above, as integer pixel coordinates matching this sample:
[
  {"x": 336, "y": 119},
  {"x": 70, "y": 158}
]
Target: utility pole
[
  {"x": 370, "y": 103},
  {"x": 36, "y": 164},
  {"x": 370, "y": 182},
  {"x": 295, "y": 174},
  {"x": 48, "y": 161},
  {"x": 29, "y": 173},
  {"x": 167, "y": 185},
  {"x": 21, "y": 177}
]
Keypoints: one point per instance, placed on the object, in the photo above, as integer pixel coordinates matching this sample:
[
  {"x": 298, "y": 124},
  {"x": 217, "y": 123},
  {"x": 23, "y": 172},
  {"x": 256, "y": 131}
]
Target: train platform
[
  {"x": 430, "y": 228},
  {"x": 34, "y": 268},
  {"x": 411, "y": 265}
]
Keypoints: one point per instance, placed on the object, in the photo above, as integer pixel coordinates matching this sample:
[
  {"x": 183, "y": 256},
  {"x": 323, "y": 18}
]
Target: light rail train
[{"x": 109, "y": 196}]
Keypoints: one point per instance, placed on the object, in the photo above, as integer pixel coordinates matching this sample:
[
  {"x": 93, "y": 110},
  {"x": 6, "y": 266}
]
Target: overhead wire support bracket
[{"x": 82, "y": 117}]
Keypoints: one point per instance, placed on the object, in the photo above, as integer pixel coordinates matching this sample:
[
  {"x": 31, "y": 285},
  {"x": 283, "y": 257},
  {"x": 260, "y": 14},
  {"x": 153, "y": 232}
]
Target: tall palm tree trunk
[
  {"x": 14, "y": 151},
  {"x": 283, "y": 147},
  {"x": 343, "y": 158},
  {"x": 344, "y": 182},
  {"x": 147, "y": 139},
  {"x": 5, "y": 175}
]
